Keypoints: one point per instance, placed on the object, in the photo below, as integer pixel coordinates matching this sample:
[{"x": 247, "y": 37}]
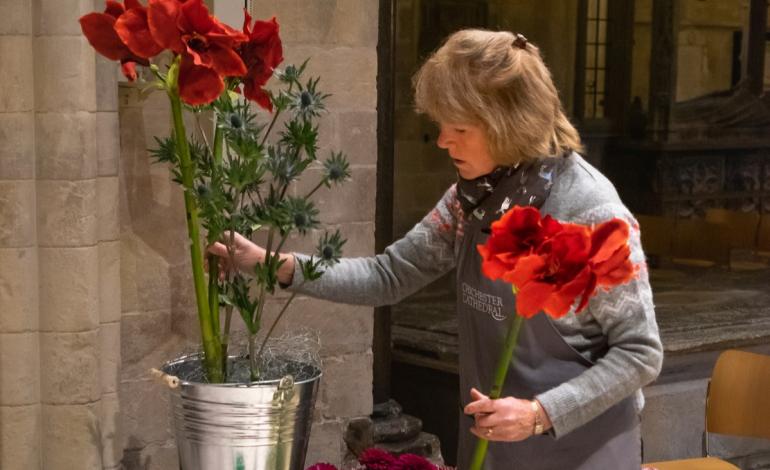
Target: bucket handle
[
  {"x": 285, "y": 390},
  {"x": 171, "y": 381}
]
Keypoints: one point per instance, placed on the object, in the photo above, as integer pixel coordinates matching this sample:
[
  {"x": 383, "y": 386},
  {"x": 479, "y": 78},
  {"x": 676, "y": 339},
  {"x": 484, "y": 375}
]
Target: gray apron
[{"x": 543, "y": 359}]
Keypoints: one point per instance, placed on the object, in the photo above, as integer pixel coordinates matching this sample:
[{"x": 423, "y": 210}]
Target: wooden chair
[
  {"x": 657, "y": 234},
  {"x": 740, "y": 232},
  {"x": 741, "y": 227},
  {"x": 736, "y": 404},
  {"x": 699, "y": 243},
  {"x": 763, "y": 237}
]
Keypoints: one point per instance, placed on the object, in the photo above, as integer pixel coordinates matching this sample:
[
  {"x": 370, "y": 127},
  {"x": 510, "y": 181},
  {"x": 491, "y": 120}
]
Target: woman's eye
[{"x": 460, "y": 131}]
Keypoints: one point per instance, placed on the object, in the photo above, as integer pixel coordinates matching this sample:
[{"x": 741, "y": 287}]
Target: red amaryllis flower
[
  {"x": 134, "y": 31},
  {"x": 206, "y": 45},
  {"x": 556, "y": 275},
  {"x": 377, "y": 459},
  {"x": 517, "y": 233},
  {"x": 609, "y": 257},
  {"x": 262, "y": 53},
  {"x": 100, "y": 30},
  {"x": 553, "y": 264},
  {"x": 413, "y": 462}
]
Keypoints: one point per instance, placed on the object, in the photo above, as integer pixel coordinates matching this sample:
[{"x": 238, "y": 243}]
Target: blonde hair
[{"x": 481, "y": 77}]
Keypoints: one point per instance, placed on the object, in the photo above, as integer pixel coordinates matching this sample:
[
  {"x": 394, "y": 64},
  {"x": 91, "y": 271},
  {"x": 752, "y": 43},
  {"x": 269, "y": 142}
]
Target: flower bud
[
  {"x": 306, "y": 99},
  {"x": 235, "y": 121}
]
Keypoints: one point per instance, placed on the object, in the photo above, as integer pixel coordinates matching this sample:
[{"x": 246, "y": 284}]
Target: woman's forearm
[{"x": 424, "y": 254}]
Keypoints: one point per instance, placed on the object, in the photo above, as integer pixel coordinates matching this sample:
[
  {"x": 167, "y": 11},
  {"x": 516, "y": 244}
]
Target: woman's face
[{"x": 467, "y": 147}]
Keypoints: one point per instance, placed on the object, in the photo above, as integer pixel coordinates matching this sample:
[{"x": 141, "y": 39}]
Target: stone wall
[{"x": 59, "y": 245}]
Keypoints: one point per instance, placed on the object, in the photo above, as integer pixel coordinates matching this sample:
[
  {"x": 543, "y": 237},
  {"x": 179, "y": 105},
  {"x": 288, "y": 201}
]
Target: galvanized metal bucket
[{"x": 257, "y": 426}]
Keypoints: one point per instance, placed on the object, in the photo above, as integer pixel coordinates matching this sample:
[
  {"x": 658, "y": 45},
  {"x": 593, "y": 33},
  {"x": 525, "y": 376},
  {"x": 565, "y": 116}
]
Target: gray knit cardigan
[{"x": 618, "y": 329}]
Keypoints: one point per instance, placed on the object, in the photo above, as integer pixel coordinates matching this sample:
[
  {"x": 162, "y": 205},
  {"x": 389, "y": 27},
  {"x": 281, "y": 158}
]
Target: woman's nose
[{"x": 442, "y": 141}]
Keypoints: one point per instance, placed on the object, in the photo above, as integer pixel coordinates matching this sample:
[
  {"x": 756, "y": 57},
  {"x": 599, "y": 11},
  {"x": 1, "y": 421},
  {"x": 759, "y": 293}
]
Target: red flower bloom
[
  {"x": 100, "y": 30},
  {"x": 207, "y": 47},
  {"x": 134, "y": 31},
  {"x": 556, "y": 275},
  {"x": 262, "y": 53},
  {"x": 610, "y": 253},
  {"x": 553, "y": 264},
  {"x": 377, "y": 459},
  {"x": 163, "y": 19},
  {"x": 413, "y": 462},
  {"x": 517, "y": 233}
]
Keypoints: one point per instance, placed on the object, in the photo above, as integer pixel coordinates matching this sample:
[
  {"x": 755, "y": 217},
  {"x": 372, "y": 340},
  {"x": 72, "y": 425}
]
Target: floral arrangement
[
  {"x": 552, "y": 266},
  {"x": 378, "y": 459},
  {"x": 234, "y": 178}
]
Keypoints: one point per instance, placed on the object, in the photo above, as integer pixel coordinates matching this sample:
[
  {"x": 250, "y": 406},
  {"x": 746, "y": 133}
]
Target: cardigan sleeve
[{"x": 424, "y": 254}]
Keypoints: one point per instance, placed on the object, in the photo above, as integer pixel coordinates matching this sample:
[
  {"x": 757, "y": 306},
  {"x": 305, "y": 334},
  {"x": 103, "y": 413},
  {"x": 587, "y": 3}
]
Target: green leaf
[
  {"x": 301, "y": 135},
  {"x": 309, "y": 267},
  {"x": 166, "y": 151}
]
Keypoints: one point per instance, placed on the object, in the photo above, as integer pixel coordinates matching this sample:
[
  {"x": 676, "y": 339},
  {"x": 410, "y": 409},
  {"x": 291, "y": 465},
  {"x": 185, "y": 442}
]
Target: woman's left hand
[{"x": 502, "y": 419}]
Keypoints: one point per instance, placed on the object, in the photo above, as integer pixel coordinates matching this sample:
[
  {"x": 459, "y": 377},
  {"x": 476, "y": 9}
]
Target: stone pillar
[
  {"x": 665, "y": 31},
  {"x": 59, "y": 253},
  {"x": 109, "y": 244},
  {"x": 20, "y": 414}
]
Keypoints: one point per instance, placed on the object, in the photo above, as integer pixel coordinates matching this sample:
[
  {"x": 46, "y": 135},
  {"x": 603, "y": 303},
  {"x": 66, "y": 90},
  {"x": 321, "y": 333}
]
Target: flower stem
[
  {"x": 275, "y": 322},
  {"x": 223, "y": 338},
  {"x": 270, "y": 127},
  {"x": 213, "y": 294},
  {"x": 503, "y": 364},
  {"x": 317, "y": 187},
  {"x": 211, "y": 350},
  {"x": 253, "y": 362},
  {"x": 273, "y": 121}
]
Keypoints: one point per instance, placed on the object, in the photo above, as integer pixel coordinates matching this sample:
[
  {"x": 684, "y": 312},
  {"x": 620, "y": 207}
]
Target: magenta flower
[
  {"x": 377, "y": 459},
  {"x": 413, "y": 462}
]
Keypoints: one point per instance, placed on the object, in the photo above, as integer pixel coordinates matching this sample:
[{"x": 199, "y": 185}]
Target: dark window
[{"x": 595, "y": 58}]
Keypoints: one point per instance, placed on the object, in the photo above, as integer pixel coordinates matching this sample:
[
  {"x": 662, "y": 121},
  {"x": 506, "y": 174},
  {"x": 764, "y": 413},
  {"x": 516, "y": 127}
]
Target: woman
[{"x": 572, "y": 397}]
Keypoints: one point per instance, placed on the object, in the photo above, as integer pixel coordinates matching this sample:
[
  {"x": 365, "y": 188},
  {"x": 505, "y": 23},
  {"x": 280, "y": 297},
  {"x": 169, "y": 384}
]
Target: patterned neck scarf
[
  {"x": 528, "y": 184},
  {"x": 471, "y": 193}
]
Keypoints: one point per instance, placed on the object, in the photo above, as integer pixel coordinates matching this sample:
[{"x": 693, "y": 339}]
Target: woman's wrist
[
  {"x": 286, "y": 271},
  {"x": 541, "y": 419}
]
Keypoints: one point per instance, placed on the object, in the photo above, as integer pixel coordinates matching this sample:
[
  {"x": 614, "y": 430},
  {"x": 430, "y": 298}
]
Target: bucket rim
[{"x": 194, "y": 356}]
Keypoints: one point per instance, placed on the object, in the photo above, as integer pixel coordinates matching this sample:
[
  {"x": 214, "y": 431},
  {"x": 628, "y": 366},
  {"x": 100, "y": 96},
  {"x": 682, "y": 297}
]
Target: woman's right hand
[
  {"x": 245, "y": 257},
  {"x": 246, "y": 254}
]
